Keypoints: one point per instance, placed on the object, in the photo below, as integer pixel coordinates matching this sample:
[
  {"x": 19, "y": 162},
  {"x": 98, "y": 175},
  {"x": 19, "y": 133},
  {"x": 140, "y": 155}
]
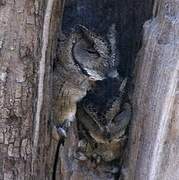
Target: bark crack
[{"x": 45, "y": 35}]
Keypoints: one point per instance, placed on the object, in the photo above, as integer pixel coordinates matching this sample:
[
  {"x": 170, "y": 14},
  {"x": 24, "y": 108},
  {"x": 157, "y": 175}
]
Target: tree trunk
[
  {"x": 153, "y": 141},
  {"x": 25, "y": 143},
  {"x": 28, "y": 42}
]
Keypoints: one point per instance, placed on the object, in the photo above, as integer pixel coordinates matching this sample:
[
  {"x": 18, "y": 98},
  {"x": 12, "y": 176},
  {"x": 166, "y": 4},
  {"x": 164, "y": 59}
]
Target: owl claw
[
  {"x": 62, "y": 132},
  {"x": 66, "y": 124}
]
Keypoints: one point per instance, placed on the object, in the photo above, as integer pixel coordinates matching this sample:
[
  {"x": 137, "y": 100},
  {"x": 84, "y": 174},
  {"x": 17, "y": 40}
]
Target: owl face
[{"x": 92, "y": 55}]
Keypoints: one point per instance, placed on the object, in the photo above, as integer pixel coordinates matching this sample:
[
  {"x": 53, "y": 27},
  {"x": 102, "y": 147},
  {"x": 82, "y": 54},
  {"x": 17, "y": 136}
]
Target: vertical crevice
[{"x": 56, "y": 163}]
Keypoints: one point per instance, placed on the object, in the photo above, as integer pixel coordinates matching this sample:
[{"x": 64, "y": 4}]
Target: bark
[
  {"x": 153, "y": 141},
  {"x": 27, "y": 51},
  {"x": 25, "y": 143}
]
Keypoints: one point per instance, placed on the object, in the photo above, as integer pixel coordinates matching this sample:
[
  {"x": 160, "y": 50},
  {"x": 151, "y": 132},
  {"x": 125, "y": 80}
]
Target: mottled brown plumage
[
  {"x": 84, "y": 57},
  {"x": 105, "y": 114}
]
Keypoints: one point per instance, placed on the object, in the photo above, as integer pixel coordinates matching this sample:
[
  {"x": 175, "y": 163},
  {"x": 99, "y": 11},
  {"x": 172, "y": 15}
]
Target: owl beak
[
  {"x": 92, "y": 79},
  {"x": 113, "y": 74}
]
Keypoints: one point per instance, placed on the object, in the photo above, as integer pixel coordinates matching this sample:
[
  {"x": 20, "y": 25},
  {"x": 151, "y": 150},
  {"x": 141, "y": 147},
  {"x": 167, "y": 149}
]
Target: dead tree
[
  {"x": 153, "y": 143},
  {"x": 28, "y": 43}
]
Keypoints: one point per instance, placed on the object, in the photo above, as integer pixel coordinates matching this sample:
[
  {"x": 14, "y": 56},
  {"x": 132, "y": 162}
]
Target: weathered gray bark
[
  {"x": 153, "y": 144},
  {"x": 24, "y": 153},
  {"x": 153, "y": 141}
]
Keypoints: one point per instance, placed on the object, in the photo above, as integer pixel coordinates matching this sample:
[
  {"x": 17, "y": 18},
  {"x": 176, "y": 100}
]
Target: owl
[{"x": 84, "y": 59}]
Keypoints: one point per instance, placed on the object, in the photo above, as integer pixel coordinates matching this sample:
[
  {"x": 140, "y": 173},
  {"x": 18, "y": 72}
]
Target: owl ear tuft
[{"x": 82, "y": 28}]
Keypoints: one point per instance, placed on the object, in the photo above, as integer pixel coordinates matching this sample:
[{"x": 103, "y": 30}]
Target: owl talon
[
  {"x": 66, "y": 124},
  {"x": 97, "y": 158},
  {"x": 62, "y": 132},
  {"x": 80, "y": 156}
]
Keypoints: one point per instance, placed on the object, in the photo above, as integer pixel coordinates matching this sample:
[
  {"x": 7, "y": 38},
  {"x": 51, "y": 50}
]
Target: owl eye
[{"x": 91, "y": 51}]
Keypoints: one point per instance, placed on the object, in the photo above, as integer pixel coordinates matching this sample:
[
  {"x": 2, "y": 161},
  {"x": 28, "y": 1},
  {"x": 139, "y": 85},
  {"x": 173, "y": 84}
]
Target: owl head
[{"x": 92, "y": 54}]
